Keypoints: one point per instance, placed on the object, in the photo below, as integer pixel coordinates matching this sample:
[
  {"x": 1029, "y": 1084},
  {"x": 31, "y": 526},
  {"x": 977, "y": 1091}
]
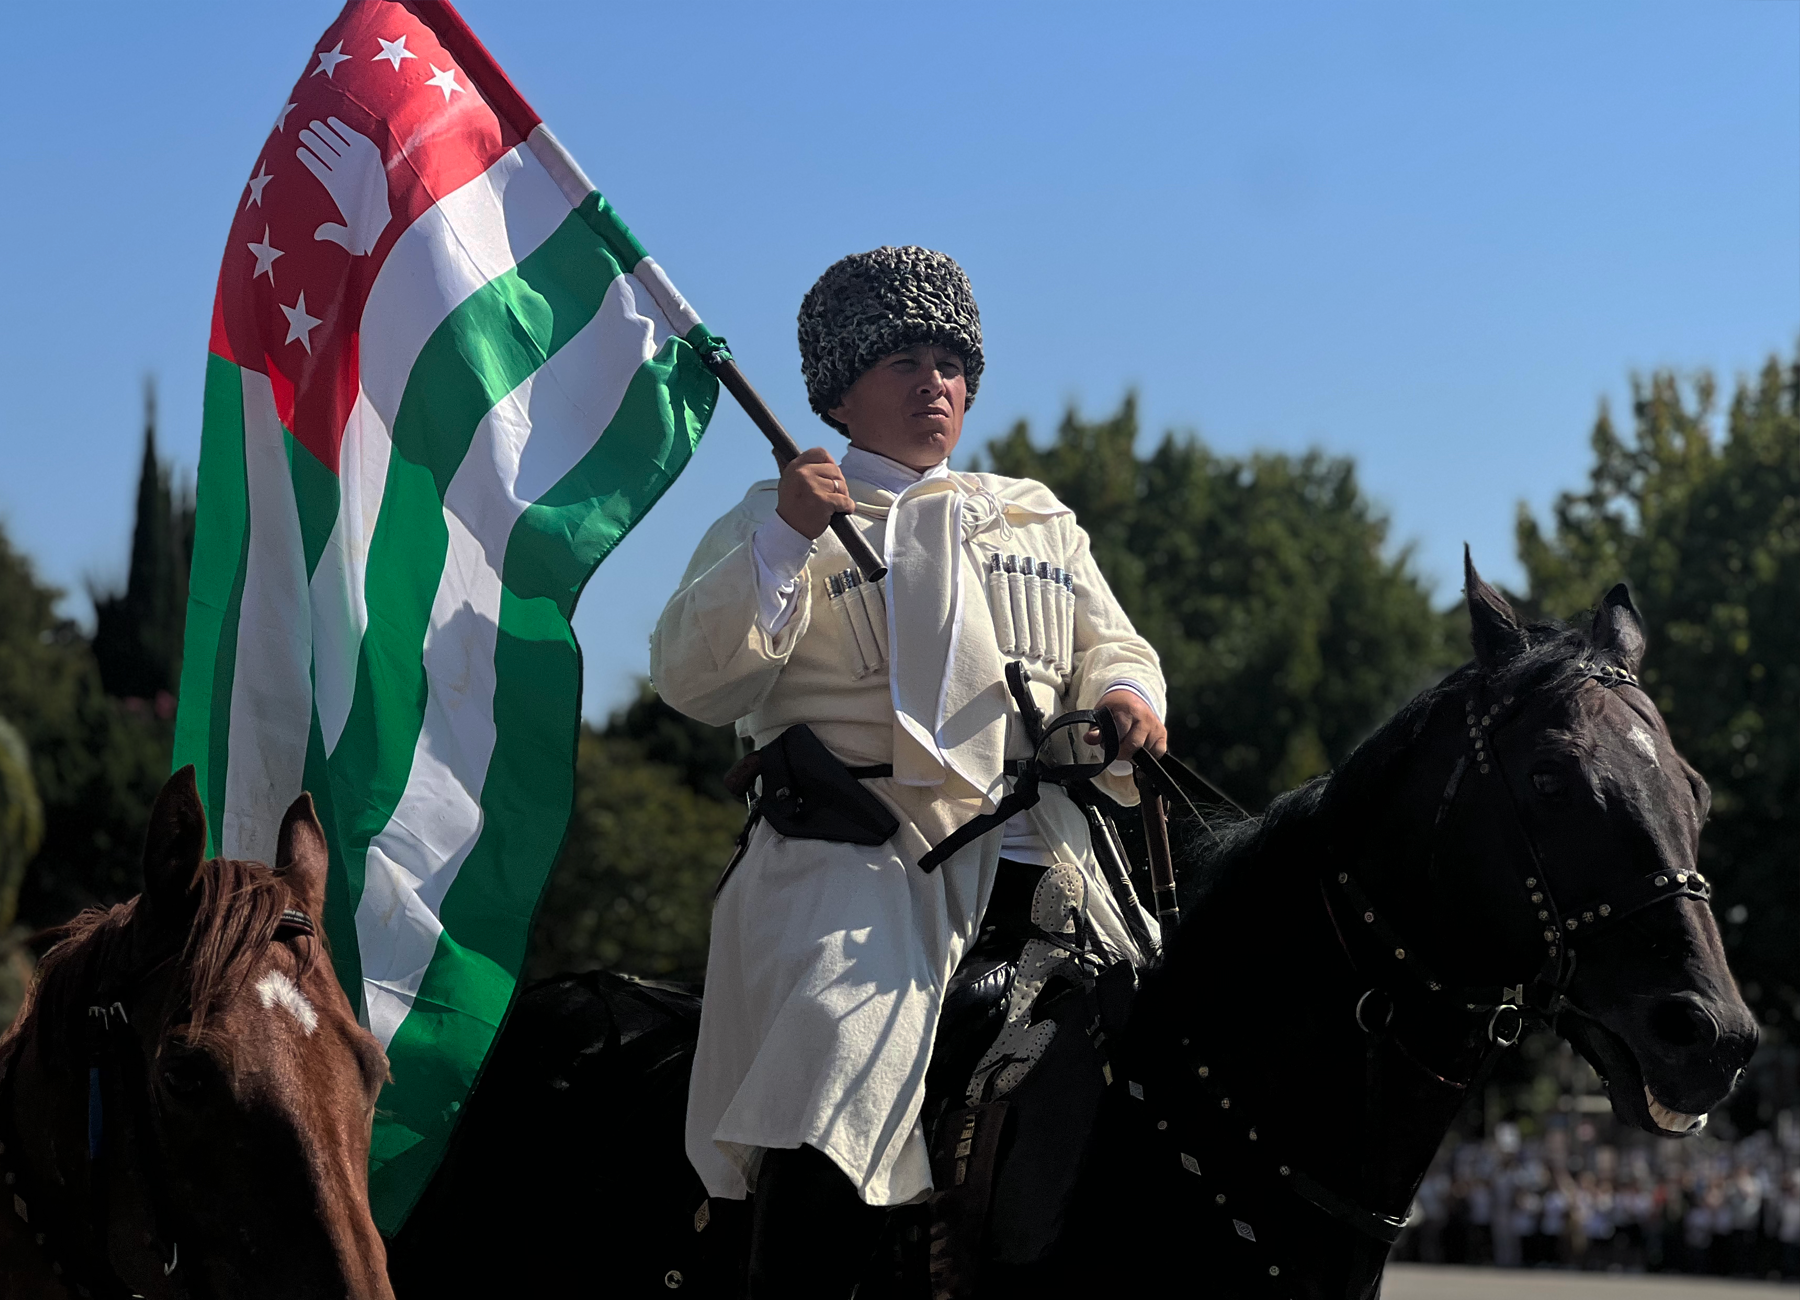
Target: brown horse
[{"x": 186, "y": 1097}]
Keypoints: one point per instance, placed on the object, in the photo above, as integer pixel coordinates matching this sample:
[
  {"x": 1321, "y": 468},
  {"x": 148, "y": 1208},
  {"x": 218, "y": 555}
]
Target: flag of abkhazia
[{"x": 444, "y": 380}]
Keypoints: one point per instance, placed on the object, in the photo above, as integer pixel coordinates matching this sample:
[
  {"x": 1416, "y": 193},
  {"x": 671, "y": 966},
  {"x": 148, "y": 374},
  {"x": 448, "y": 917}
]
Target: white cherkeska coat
[{"x": 828, "y": 961}]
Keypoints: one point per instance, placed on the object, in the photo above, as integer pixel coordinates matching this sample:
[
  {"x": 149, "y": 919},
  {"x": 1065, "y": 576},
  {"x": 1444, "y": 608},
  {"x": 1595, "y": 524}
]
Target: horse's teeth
[{"x": 1672, "y": 1121}]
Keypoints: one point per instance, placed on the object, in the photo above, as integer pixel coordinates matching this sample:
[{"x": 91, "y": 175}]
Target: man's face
[{"x": 908, "y": 406}]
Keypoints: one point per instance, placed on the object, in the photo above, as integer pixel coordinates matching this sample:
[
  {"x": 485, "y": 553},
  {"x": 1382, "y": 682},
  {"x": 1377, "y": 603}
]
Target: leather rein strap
[
  {"x": 1498, "y": 1013},
  {"x": 1547, "y": 993},
  {"x": 1030, "y": 772},
  {"x": 1505, "y": 1007}
]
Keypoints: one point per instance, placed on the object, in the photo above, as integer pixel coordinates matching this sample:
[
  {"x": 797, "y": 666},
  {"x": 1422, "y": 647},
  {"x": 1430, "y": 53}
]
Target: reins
[
  {"x": 75, "y": 1243},
  {"x": 1545, "y": 996},
  {"x": 1495, "y": 1014}
]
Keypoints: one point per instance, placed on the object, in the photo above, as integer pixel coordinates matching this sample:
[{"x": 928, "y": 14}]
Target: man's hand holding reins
[
  {"x": 1137, "y": 723},
  {"x": 812, "y": 491}
]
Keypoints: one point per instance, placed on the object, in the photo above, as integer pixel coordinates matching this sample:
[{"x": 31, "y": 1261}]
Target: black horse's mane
[{"x": 1555, "y": 658}]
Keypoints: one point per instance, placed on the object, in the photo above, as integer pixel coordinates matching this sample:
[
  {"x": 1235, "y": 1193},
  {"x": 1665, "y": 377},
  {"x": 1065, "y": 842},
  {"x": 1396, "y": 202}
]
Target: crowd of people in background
[{"x": 1568, "y": 1198}]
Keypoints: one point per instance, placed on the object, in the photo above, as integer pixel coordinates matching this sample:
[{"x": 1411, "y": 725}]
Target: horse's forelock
[
  {"x": 239, "y": 911},
  {"x": 102, "y": 953}
]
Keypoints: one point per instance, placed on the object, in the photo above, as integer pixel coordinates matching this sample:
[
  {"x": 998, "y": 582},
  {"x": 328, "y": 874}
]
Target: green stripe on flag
[
  {"x": 553, "y": 550},
  {"x": 483, "y": 350},
  {"x": 317, "y": 495},
  {"x": 605, "y": 222},
  {"x": 340, "y": 909},
  {"x": 215, "y": 591},
  {"x": 565, "y": 533},
  {"x": 441, "y": 1045}
]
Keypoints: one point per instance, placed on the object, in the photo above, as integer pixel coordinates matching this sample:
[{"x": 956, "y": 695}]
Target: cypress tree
[{"x": 137, "y": 633}]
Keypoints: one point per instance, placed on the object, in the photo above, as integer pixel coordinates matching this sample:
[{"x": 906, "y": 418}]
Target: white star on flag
[
  {"x": 265, "y": 254},
  {"x": 328, "y": 61},
  {"x": 444, "y": 81},
  {"x": 393, "y": 52},
  {"x": 300, "y": 325},
  {"x": 257, "y": 182},
  {"x": 281, "y": 117}
]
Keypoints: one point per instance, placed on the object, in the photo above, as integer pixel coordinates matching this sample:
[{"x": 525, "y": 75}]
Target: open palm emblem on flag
[
  {"x": 469, "y": 384},
  {"x": 348, "y": 164}
]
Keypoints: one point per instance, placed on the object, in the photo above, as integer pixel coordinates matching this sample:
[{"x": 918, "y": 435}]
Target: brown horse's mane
[{"x": 237, "y": 909}]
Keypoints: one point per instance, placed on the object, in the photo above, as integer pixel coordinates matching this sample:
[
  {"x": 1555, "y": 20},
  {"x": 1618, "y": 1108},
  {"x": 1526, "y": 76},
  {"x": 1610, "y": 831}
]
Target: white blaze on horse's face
[
  {"x": 1646, "y": 742},
  {"x": 276, "y": 989}
]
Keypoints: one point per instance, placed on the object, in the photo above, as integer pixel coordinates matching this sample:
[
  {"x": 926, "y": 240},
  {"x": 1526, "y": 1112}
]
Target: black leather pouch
[{"x": 808, "y": 793}]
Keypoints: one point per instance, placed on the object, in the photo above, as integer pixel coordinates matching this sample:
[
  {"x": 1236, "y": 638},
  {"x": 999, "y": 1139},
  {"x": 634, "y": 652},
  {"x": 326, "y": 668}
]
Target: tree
[
  {"x": 1705, "y": 527},
  {"x": 1286, "y": 629},
  {"x": 137, "y": 632},
  {"x": 21, "y": 831},
  {"x": 97, "y": 764},
  {"x": 699, "y": 754},
  {"x": 21, "y": 820},
  {"x": 651, "y": 830}
]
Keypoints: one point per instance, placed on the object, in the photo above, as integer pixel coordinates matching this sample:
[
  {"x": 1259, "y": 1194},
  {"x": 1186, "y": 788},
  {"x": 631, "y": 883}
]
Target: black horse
[{"x": 1518, "y": 842}]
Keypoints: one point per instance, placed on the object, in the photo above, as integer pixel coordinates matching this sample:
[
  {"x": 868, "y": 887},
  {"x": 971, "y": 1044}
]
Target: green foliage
[
  {"x": 632, "y": 889},
  {"x": 1286, "y": 631},
  {"x": 700, "y": 755},
  {"x": 97, "y": 763},
  {"x": 21, "y": 831},
  {"x": 21, "y": 820},
  {"x": 1706, "y": 530}
]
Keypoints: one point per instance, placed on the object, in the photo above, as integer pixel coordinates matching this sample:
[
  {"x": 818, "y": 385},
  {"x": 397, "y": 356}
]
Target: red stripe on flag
[{"x": 385, "y": 121}]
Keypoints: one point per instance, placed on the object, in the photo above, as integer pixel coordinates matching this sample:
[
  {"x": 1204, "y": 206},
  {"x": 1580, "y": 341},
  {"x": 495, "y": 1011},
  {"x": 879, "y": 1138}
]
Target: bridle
[
  {"x": 1546, "y": 995},
  {"x": 74, "y": 1240},
  {"x": 1496, "y": 1014}
]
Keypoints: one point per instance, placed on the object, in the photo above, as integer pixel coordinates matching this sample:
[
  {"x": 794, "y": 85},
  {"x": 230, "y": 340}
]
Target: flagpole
[
  {"x": 785, "y": 449},
  {"x": 685, "y": 321}
]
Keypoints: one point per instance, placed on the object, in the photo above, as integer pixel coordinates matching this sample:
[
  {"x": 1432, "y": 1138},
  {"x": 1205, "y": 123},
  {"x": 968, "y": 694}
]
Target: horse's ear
[
  {"x": 174, "y": 847},
  {"x": 1618, "y": 633},
  {"x": 1493, "y": 627},
  {"x": 301, "y": 855}
]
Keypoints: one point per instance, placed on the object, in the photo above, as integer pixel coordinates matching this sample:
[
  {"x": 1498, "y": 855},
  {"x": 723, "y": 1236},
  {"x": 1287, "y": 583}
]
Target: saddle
[
  {"x": 579, "y": 1117},
  {"x": 1018, "y": 1072}
]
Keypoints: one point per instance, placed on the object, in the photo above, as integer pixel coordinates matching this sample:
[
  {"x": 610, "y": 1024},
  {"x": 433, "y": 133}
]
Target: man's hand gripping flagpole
[{"x": 785, "y": 449}]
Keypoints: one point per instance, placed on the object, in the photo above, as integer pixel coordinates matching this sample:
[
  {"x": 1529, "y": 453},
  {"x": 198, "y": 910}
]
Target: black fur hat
[{"x": 869, "y": 305}]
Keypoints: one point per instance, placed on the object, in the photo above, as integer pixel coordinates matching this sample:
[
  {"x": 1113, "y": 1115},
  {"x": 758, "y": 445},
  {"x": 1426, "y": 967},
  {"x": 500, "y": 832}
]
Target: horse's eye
[
  {"x": 1547, "y": 783},
  {"x": 184, "y": 1077}
]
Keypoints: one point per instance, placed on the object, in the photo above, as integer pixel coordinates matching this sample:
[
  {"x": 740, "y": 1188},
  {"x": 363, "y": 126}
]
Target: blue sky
[{"x": 1431, "y": 236}]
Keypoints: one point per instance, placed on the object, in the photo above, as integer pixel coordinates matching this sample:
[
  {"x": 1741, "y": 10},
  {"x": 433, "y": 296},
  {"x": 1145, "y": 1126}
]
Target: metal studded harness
[
  {"x": 1498, "y": 1013},
  {"x": 1546, "y": 995}
]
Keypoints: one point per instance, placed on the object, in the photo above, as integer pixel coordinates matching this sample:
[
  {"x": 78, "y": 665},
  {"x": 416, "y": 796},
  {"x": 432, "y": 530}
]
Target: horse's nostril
[{"x": 1682, "y": 1023}]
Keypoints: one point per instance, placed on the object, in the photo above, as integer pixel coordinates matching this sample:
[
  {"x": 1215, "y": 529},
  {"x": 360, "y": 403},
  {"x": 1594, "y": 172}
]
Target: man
[{"x": 829, "y": 959}]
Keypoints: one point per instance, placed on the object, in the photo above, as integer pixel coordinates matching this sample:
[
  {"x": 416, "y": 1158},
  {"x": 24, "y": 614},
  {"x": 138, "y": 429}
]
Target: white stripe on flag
[
  {"x": 339, "y": 611},
  {"x": 478, "y": 232},
  {"x": 523, "y": 447},
  {"x": 271, "y": 691}
]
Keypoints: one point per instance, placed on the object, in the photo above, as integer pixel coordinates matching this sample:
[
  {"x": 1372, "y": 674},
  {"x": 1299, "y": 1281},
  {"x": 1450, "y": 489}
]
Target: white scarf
[{"x": 949, "y": 690}]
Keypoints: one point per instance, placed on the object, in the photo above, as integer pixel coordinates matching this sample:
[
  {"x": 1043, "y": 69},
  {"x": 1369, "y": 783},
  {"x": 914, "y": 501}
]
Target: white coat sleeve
[
  {"x": 710, "y": 655},
  {"x": 781, "y": 555},
  {"x": 1108, "y": 650}
]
